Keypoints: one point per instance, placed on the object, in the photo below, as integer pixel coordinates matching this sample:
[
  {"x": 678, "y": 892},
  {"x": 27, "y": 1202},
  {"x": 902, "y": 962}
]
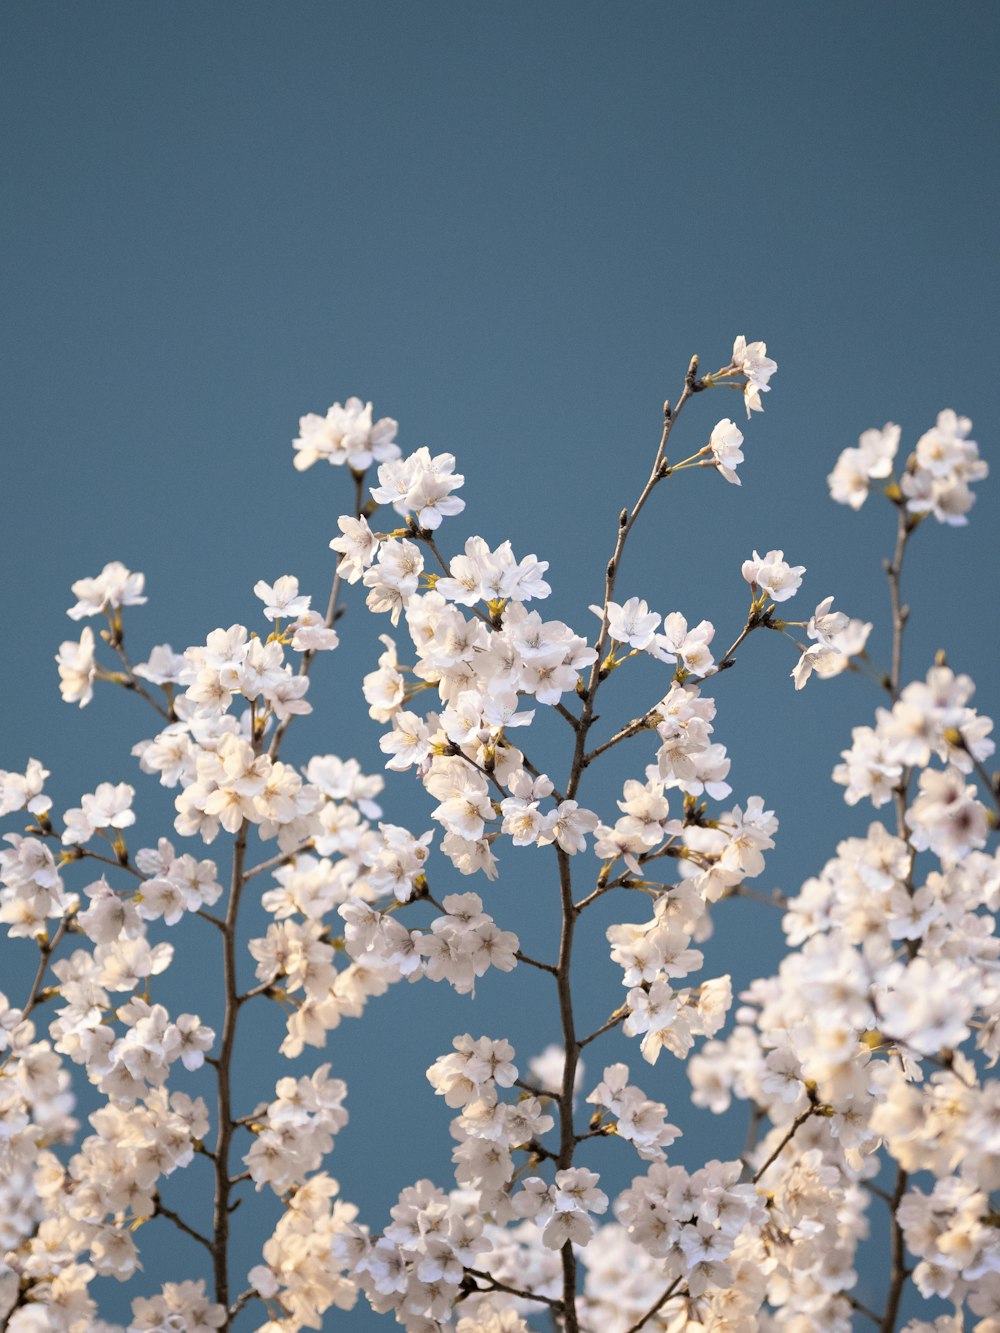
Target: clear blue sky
[{"x": 509, "y": 225}]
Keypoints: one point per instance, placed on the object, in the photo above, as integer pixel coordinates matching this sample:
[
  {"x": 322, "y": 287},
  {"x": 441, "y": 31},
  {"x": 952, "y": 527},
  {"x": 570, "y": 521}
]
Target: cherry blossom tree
[{"x": 865, "y": 1058}]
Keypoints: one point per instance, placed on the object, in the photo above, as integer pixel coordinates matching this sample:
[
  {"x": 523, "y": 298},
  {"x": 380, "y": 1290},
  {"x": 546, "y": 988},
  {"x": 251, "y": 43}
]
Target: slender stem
[
  {"x": 223, "y": 1184},
  {"x": 632, "y": 728},
  {"x": 754, "y": 1122},
  {"x": 799, "y": 1120},
  {"x": 900, "y": 613},
  {"x": 331, "y": 615},
  {"x": 656, "y": 1307},
  {"x": 46, "y": 949},
  {"x": 244, "y": 1298},
  {"x": 571, "y": 718},
  {"x": 85, "y": 854},
  {"x": 533, "y": 962},
  {"x": 496, "y": 1285},
  {"x": 773, "y": 899},
  {"x": 274, "y": 862},
  {"x": 571, "y": 1048},
  {"x": 626, "y": 523},
  {"x": 863, "y": 1309},
  {"x": 20, "y": 1301},
  {"x": 877, "y": 1191},
  {"x": 161, "y": 1210},
  {"x": 537, "y": 773},
  {"x": 619, "y": 1016},
  {"x": 538, "y": 1150},
  {"x": 45, "y": 952},
  {"x": 990, "y": 783},
  {"x": 898, "y": 1252},
  {"x": 133, "y": 682},
  {"x": 422, "y": 535},
  {"x": 254, "y": 991},
  {"x": 726, "y": 660}
]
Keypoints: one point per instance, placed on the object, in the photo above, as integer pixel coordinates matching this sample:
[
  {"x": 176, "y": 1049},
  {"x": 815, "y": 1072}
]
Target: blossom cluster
[
  {"x": 869, "y": 1048},
  {"x": 937, "y": 477}
]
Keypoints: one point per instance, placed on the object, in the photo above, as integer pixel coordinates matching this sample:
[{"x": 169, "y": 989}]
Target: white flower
[
  {"x": 856, "y": 468},
  {"x": 77, "y": 669},
  {"x": 357, "y": 547},
  {"x": 773, "y": 575},
  {"x": 113, "y": 588},
  {"x": 164, "y": 666},
  {"x": 281, "y": 600},
  {"x": 752, "y": 361},
  {"x": 421, "y": 485},
  {"x": 725, "y": 444},
  {"x": 838, "y": 639},
  {"x": 631, "y": 622},
  {"x": 345, "y": 435}
]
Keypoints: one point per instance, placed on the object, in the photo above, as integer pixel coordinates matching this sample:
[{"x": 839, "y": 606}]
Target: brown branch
[
  {"x": 161, "y": 1210},
  {"x": 617, "y": 1017},
  {"x": 656, "y": 1307},
  {"x": 427, "y": 537},
  {"x": 275, "y": 862},
  {"x": 244, "y": 1298},
  {"x": 862, "y": 1309},
  {"x": 497, "y": 1285},
  {"x": 900, "y": 613},
  {"x": 533, "y": 962},
  {"x": 85, "y": 854},
  {"x": 799, "y": 1120},
  {"x": 132, "y": 682},
  {"x": 46, "y": 948},
  {"x": 331, "y": 615},
  {"x": 571, "y": 718},
  {"x": 571, "y": 1047},
  {"x": 571, "y": 1053},
  {"x": 223, "y": 1067},
  {"x": 45, "y": 951},
  {"x": 773, "y": 899},
  {"x": 632, "y": 728},
  {"x": 898, "y": 1251}
]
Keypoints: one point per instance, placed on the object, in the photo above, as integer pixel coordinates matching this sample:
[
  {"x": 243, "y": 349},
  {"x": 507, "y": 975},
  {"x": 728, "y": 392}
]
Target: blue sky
[{"x": 509, "y": 226}]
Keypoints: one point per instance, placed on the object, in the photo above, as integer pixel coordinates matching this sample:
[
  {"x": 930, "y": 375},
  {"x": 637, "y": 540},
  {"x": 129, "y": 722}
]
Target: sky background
[{"x": 510, "y": 226}]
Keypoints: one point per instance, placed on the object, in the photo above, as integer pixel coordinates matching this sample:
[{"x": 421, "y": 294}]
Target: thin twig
[
  {"x": 86, "y": 854},
  {"x": 533, "y": 962},
  {"x": 598, "y": 672},
  {"x": 900, "y": 613},
  {"x": 497, "y": 1285},
  {"x": 656, "y": 1307},
  {"x": 617, "y": 1017},
  {"x": 46, "y": 949},
  {"x": 116, "y": 639},
  {"x": 799, "y": 1120},
  {"x": 161, "y": 1210},
  {"x": 773, "y": 899},
  {"x": 328, "y": 621},
  {"x": 274, "y": 862},
  {"x": 571, "y": 718},
  {"x": 242, "y": 1299},
  {"x": 898, "y": 1251}
]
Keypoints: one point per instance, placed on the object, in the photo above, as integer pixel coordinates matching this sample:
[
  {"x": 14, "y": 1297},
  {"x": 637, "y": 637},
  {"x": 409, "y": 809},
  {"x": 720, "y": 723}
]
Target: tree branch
[
  {"x": 799, "y": 1120},
  {"x": 655, "y": 1308},
  {"x": 496, "y": 1285},
  {"x": 899, "y": 1272},
  {"x": 161, "y": 1210}
]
